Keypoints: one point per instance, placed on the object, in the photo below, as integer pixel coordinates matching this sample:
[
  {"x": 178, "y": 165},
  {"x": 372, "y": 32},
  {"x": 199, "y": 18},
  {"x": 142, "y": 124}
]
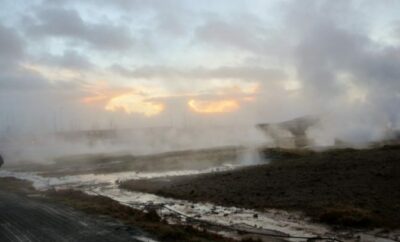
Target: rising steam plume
[{"x": 205, "y": 74}]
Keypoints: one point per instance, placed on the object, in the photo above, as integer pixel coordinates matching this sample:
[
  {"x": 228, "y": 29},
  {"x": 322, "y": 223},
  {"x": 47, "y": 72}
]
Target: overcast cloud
[{"x": 273, "y": 61}]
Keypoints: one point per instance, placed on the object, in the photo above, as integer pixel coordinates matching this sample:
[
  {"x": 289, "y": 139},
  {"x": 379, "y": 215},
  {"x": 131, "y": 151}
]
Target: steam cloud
[{"x": 338, "y": 60}]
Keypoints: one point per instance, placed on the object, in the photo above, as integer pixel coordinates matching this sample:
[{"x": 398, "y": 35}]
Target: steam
[
  {"x": 330, "y": 59},
  {"x": 251, "y": 156},
  {"x": 44, "y": 148}
]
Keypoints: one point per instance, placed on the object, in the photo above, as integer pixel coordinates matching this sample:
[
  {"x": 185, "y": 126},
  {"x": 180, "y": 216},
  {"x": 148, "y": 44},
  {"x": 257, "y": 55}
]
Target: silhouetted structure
[{"x": 291, "y": 133}]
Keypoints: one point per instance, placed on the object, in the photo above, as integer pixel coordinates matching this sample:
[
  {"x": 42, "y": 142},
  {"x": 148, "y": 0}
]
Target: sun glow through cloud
[
  {"x": 219, "y": 106},
  {"x": 124, "y": 99},
  {"x": 133, "y": 103}
]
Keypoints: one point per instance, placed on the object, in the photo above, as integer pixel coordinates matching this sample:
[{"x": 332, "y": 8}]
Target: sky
[{"x": 69, "y": 64}]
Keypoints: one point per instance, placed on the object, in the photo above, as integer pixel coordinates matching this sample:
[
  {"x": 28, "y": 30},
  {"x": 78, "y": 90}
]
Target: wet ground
[
  {"x": 347, "y": 189},
  {"x": 226, "y": 221},
  {"x": 24, "y": 218},
  {"x": 179, "y": 192}
]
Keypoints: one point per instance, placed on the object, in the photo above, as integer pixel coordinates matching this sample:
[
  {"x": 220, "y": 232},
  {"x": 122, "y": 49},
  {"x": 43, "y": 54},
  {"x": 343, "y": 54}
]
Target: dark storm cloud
[
  {"x": 225, "y": 72},
  {"x": 67, "y": 23}
]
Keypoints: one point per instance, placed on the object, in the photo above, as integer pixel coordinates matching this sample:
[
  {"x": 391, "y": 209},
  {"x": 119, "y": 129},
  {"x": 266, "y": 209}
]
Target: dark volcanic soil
[{"x": 356, "y": 188}]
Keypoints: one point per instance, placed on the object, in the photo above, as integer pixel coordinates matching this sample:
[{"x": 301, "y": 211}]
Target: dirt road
[{"x": 24, "y": 218}]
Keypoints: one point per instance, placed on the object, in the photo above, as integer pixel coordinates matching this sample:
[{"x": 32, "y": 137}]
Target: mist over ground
[
  {"x": 173, "y": 75},
  {"x": 44, "y": 148}
]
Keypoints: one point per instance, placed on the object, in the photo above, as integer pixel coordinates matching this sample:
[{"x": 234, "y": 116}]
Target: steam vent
[{"x": 291, "y": 133}]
